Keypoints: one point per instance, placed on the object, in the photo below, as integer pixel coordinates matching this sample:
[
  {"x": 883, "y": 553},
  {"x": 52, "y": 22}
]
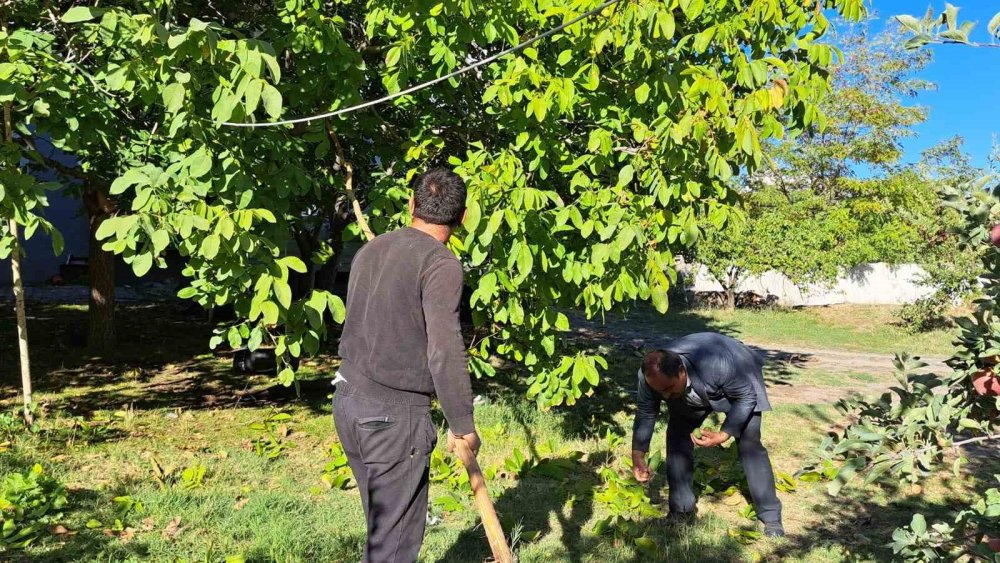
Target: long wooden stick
[{"x": 494, "y": 531}]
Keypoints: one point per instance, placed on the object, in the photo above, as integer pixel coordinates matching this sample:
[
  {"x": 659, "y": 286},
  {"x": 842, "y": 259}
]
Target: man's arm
[
  {"x": 743, "y": 398},
  {"x": 446, "y": 358},
  {"x": 647, "y": 408}
]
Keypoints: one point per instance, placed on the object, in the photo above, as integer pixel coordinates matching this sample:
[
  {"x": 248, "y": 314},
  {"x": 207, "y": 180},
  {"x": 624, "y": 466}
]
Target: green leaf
[
  {"x": 272, "y": 100},
  {"x": 173, "y": 96},
  {"x": 160, "y": 240},
  {"x": 255, "y": 340},
  {"x": 337, "y": 309},
  {"x": 252, "y": 95},
  {"x": 58, "y": 244},
  {"x": 642, "y": 93},
  {"x": 647, "y": 546},
  {"x": 950, "y": 16},
  {"x": 692, "y": 8},
  {"x": 994, "y": 26},
  {"x": 199, "y": 163},
  {"x": 286, "y": 377},
  {"x": 79, "y": 14},
  {"x": 911, "y": 23},
  {"x": 283, "y": 292},
  {"x": 40, "y": 108},
  {"x": 131, "y": 177},
  {"x": 562, "y": 322},
  {"x": 234, "y": 338},
  {"x": 393, "y": 56},
  {"x": 917, "y": 42},
  {"x": 955, "y": 35},
  {"x": 919, "y": 524},
  {"x": 270, "y": 313},
  {"x": 210, "y": 246},
  {"x": 142, "y": 264},
  {"x": 625, "y": 175},
  {"x": 565, "y": 57},
  {"x": 473, "y": 215},
  {"x": 294, "y": 263}
]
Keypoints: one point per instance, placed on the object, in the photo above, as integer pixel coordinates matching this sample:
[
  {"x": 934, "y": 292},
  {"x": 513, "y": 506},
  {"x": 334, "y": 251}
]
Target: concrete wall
[{"x": 877, "y": 283}]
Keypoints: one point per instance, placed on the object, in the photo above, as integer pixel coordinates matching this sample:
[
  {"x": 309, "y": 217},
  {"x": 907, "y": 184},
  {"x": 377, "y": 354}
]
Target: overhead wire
[{"x": 429, "y": 83}]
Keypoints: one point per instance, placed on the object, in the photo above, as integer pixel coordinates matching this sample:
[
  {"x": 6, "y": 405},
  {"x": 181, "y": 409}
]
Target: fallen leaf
[
  {"x": 241, "y": 502},
  {"x": 148, "y": 524},
  {"x": 733, "y": 500},
  {"x": 61, "y": 530},
  {"x": 282, "y": 431},
  {"x": 173, "y": 529}
]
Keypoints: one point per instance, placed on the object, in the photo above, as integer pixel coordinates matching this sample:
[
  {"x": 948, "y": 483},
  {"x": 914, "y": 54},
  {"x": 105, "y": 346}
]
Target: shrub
[
  {"x": 926, "y": 314},
  {"x": 28, "y": 502}
]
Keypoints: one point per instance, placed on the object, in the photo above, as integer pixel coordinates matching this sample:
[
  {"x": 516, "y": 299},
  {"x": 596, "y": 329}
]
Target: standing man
[
  {"x": 402, "y": 344},
  {"x": 699, "y": 374}
]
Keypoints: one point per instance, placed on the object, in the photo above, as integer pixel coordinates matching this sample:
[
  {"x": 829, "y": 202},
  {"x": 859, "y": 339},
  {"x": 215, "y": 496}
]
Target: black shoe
[{"x": 775, "y": 530}]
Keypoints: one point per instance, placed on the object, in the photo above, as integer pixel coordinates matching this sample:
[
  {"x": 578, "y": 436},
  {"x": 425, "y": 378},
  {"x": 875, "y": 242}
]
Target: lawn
[{"x": 168, "y": 404}]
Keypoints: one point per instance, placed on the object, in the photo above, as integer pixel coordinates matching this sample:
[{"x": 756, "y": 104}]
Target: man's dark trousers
[
  {"x": 753, "y": 456},
  {"x": 388, "y": 447}
]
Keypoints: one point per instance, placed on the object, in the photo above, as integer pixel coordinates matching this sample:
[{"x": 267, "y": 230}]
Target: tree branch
[
  {"x": 31, "y": 143},
  {"x": 349, "y": 182}
]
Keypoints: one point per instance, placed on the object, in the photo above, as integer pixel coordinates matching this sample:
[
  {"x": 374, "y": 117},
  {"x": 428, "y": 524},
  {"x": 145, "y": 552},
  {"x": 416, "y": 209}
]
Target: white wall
[{"x": 877, "y": 283}]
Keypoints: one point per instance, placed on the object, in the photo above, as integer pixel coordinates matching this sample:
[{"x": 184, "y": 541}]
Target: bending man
[{"x": 696, "y": 375}]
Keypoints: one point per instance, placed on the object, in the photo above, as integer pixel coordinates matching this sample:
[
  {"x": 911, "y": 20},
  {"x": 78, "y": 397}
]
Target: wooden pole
[
  {"x": 494, "y": 531},
  {"x": 15, "y": 266}
]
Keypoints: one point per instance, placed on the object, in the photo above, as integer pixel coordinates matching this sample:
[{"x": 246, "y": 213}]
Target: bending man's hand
[
  {"x": 471, "y": 439},
  {"x": 639, "y": 467},
  {"x": 710, "y": 439}
]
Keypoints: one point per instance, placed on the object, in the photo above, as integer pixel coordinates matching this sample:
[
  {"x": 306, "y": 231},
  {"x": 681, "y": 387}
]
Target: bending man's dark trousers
[
  {"x": 388, "y": 447},
  {"x": 753, "y": 456}
]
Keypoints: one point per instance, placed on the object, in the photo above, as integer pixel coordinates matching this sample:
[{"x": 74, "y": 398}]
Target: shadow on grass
[
  {"x": 162, "y": 362},
  {"x": 530, "y": 507}
]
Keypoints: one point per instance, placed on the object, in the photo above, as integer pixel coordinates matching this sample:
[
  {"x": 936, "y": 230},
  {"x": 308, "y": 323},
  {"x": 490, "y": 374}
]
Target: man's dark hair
[
  {"x": 662, "y": 363},
  {"x": 439, "y": 197}
]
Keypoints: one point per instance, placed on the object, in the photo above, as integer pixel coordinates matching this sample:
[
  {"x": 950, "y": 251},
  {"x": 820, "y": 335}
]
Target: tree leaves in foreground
[{"x": 908, "y": 434}]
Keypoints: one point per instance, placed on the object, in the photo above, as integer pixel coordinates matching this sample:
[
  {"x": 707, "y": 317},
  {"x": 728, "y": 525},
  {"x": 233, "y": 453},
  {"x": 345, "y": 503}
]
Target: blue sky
[{"x": 968, "y": 81}]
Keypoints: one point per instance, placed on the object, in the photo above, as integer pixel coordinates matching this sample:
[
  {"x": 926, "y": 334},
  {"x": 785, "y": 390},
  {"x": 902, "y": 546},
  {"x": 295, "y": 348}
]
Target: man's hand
[
  {"x": 471, "y": 439},
  {"x": 639, "y": 467},
  {"x": 710, "y": 439}
]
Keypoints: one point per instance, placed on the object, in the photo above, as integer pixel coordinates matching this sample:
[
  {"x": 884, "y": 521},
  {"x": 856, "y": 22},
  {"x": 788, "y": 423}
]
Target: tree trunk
[
  {"x": 22, "y": 322},
  {"x": 15, "y": 268},
  {"x": 101, "y": 334},
  {"x": 732, "y": 281}
]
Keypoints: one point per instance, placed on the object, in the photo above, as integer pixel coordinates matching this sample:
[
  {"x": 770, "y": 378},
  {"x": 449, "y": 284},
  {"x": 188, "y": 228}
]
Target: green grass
[
  {"x": 861, "y": 328},
  {"x": 178, "y": 404}
]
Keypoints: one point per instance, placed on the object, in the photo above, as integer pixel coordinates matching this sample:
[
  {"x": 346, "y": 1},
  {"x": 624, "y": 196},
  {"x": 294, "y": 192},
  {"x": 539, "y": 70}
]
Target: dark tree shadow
[
  {"x": 861, "y": 521},
  {"x": 531, "y": 504},
  {"x": 163, "y": 362}
]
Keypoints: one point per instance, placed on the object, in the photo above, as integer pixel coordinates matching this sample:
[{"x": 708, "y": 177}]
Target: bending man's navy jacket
[{"x": 726, "y": 374}]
